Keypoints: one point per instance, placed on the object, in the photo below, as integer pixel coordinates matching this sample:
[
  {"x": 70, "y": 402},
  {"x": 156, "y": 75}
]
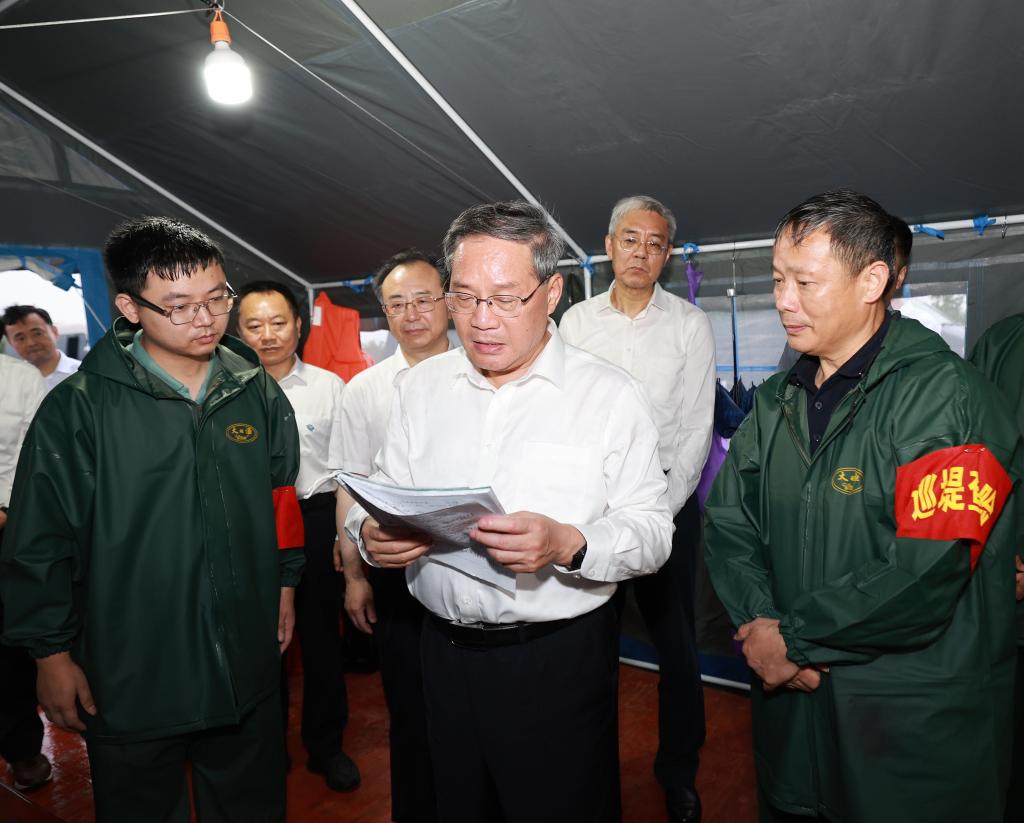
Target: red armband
[
  {"x": 288, "y": 517},
  {"x": 951, "y": 494}
]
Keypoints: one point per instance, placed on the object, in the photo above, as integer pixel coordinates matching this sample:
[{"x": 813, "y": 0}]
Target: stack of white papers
[{"x": 447, "y": 515}]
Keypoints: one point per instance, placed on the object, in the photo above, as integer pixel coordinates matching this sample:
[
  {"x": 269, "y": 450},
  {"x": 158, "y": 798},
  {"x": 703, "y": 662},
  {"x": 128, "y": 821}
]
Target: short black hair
[
  {"x": 15, "y": 314},
  {"x": 168, "y": 248},
  {"x": 904, "y": 243},
  {"x": 859, "y": 229},
  {"x": 267, "y": 287},
  {"x": 409, "y": 255}
]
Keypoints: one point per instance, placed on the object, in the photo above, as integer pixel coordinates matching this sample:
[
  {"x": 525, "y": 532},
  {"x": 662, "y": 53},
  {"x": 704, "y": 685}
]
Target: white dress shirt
[
  {"x": 572, "y": 439},
  {"x": 66, "y": 366},
  {"x": 365, "y": 409},
  {"x": 23, "y": 390},
  {"x": 316, "y": 395},
  {"x": 364, "y": 412},
  {"x": 670, "y": 348}
]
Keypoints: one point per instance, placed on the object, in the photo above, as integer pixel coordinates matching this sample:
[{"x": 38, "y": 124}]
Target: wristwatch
[{"x": 577, "y": 559}]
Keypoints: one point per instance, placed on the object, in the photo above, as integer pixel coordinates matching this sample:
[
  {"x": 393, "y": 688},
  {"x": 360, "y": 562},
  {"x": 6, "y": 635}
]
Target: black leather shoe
[
  {"x": 339, "y": 770},
  {"x": 683, "y": 804},
  {"x": 31, "y": 773}
]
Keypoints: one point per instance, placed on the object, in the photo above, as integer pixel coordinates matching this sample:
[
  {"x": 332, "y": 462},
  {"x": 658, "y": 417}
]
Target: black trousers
[
  {"x": 665, "y": 600},
  {"x": 21, "y": 730},
  {"x": 397, "y": 633},
  {"x": 526, "y": 733},
  {"x": 238, "y": 774},
  {"x": 319, "y": 599}
]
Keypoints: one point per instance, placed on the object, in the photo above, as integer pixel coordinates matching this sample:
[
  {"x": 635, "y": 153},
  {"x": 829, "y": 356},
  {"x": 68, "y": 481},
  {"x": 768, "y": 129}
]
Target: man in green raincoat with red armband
[{"x": 861, "y": 535}]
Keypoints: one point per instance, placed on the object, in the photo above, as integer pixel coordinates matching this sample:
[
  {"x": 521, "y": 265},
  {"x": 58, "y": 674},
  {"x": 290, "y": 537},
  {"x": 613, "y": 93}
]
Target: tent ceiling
[{"x": 728, "y": 110}]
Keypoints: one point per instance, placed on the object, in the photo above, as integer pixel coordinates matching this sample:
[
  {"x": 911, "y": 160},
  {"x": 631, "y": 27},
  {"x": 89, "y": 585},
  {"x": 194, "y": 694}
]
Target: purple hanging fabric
[
  {"x": 693, "y": 277},
  {"x": 716, "y": 457}
]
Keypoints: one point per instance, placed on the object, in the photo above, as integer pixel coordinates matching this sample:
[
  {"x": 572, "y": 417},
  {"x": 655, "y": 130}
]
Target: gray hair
[
  {"x": 641, "y": 202},
  {"x": 515, "y": 220}
]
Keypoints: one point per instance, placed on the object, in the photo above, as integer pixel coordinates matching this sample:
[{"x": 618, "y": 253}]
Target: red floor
[{"x": 725, "y": 782}]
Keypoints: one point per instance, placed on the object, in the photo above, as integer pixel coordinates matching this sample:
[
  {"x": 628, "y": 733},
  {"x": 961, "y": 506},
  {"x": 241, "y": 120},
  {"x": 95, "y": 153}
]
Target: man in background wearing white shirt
[
  {"x": 521, "y": 688},
  {"x": 31, "y": 333},
  {"x": 410, "y": 291},
  {"x": 269, "y": 321},
  {"x": 667, "y": 344},
  {"x": 21, "y": 730}
]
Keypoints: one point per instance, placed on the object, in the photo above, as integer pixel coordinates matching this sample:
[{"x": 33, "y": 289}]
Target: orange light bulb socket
[{"x": 219, "y": 29}]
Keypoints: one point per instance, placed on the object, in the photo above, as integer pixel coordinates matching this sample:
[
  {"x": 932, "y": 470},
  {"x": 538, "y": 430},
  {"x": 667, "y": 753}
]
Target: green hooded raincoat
[
  {"x": 912, "y": 722},
  {"x": 143, "y": 538},
  {"x": 999, "y": 355}
]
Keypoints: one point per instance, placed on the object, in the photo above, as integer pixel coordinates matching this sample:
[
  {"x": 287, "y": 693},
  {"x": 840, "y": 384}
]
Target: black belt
[
  {"x": 324, "y": 500},
  {"x": 493, "y": 635}
]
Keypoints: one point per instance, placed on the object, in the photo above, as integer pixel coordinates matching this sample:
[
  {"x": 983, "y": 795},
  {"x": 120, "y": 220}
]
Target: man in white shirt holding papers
[{"x": 521, "y": 687}]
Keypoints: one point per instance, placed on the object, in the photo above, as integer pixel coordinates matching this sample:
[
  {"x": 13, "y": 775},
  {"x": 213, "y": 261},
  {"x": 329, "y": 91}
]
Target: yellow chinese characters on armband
[{"x": 951, "y": 494}]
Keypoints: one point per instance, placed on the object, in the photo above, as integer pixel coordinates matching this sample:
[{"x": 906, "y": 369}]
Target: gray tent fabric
[{"x": 730, "y": 111}]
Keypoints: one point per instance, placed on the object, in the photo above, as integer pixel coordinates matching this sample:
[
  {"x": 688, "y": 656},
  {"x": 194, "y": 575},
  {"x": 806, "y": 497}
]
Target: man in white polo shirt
[
  {"x": 409, "y": 289},
  {"x": 269, "y": 321},
  {"x": 521, "y": 687},
  {"x": 21, "y": 730},
  {"x": 31, "y": 333},
  {"x": 667, "y": 344}
]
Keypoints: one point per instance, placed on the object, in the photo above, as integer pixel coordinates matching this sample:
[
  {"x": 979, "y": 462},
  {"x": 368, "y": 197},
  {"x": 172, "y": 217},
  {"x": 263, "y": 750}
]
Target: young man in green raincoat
[
  {"x": 999, "y": 354},
  {"x": 861, "y": 536},
  {"x": 155, "y": 542}
]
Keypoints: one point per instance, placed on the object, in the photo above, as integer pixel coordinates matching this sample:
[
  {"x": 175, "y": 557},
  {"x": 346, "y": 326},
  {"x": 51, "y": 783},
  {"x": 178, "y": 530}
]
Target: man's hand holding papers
[
  {"x": 527, "y": 541},
  {"x": 400, "y": 525},
  {"x": 394, "y": 547}
]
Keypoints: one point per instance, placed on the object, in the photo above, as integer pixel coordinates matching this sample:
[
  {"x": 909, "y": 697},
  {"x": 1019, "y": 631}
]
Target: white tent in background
[{"x": 26, "y": 287}]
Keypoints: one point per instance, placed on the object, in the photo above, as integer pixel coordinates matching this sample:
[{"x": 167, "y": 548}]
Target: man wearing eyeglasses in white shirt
[
  {"x": 411, "y": 293},
  {"x": 667, "y": 344},
  {"x": 521, "y": 688}
]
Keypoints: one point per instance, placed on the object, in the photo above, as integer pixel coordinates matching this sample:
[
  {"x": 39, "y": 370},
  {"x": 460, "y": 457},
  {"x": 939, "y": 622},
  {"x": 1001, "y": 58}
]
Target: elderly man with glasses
[
  {"x": 521, "y": 686},
  {"x": 666, "y": 343},
  {"x": 155, "y": 541}
]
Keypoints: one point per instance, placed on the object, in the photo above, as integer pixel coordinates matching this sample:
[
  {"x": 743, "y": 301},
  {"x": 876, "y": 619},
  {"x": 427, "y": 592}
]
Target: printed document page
[{"x": 447, "y": 515}]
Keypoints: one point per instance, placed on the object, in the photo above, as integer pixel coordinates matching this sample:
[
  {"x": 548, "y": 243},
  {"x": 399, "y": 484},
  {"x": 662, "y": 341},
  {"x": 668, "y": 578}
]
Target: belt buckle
[{"x": 481, "y": 635}]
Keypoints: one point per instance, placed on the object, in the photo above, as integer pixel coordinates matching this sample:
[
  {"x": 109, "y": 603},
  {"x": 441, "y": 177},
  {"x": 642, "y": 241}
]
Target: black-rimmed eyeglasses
[
  {"x": 186, "y": 312},
  {"x": 503, "y": 305}
]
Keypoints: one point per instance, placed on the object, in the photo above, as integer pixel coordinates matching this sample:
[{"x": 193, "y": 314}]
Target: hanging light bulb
[{"x": 228, "y": 79}]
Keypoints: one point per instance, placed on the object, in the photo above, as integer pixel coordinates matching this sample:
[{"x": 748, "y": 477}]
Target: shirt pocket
[
  {"x": 564, "y": 482},
  {"x": 314, "y": 426}
]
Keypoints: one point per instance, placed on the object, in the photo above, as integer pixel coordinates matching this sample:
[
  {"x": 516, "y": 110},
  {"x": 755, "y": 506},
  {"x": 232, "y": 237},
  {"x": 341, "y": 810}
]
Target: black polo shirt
[{"x": 821, "y": 402}]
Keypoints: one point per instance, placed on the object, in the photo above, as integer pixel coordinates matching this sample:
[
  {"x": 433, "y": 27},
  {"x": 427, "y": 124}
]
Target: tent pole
[
  {"x": 407, "y": 65},
  {"x": 64, "y": 127}
]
